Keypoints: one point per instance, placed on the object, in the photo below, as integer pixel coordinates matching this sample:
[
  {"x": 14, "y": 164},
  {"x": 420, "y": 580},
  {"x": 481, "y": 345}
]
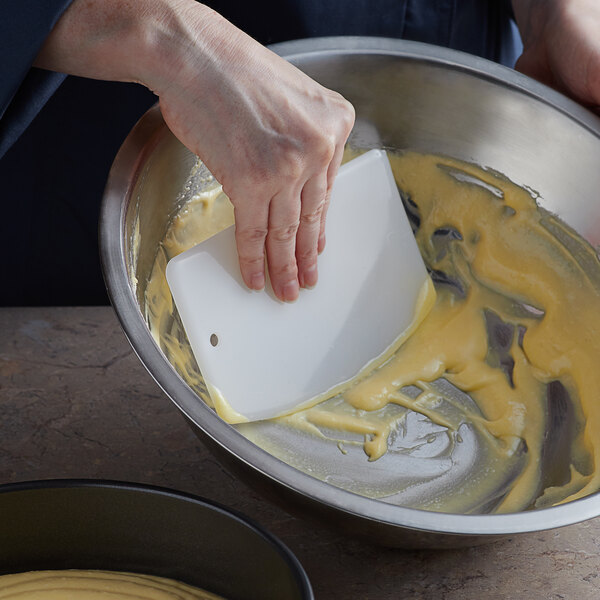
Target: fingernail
[
  {"x": 257, "y": 281},
  {"x": 289, "y": 292},
  {"x": 310, "y": 277},
  {"x": 321, "y": 244}
]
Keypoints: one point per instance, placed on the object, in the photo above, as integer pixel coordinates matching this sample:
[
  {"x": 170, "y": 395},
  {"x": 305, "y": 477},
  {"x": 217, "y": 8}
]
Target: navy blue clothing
[
  {"x": 481, "y": 27},
  {"x": 24, "y": 90},
  {"x": 54, "y": 168}
]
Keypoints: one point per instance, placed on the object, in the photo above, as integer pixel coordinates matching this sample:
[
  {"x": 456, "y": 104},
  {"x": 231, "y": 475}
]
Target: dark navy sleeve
[
  {"x": 482, "y": 27},
  {"x": 24, "y": 25}
]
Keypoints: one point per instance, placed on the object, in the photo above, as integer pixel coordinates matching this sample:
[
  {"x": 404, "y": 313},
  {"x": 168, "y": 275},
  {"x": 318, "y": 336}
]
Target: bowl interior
[{"x": 406, "y": 96}]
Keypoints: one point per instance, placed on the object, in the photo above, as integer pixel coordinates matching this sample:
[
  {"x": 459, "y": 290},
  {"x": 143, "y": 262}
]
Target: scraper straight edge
[{"x": 262, "y": 358}]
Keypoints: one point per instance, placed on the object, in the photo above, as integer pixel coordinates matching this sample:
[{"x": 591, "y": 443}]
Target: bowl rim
[
  {"x": 296, "y": 568},
  {"x": 137, "y": 146}
]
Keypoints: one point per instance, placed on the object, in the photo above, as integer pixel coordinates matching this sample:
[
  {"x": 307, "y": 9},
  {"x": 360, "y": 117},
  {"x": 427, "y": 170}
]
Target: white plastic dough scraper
[{"x": 261, "y": 357}]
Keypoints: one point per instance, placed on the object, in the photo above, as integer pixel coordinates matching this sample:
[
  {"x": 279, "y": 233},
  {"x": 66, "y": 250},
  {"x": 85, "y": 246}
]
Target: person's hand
[
  {"x": 561, "y": 40},
  {"x": 273, "y": 137}
]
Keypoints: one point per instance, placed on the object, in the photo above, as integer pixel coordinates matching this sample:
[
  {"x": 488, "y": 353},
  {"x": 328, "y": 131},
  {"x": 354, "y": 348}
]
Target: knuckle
[
  {"x": 321, "y": 192},
  {"x": 251, "y": 235},
  {"x": 293, "y": 168},
  {"x": 345, "y": 114},
  {"x": 348, "y": 122},
  {"x": 306, "y": 256},
  {"x": 285, "y": 165},
  {"x": 283, "y": 235},
  {"x": 349, "y": 112},
  {"x": 284, "y": 271},
  {"x": 251, "y": 262},
  {"x": 322, "y": 146},
  {"x": 312, "y": 217}
]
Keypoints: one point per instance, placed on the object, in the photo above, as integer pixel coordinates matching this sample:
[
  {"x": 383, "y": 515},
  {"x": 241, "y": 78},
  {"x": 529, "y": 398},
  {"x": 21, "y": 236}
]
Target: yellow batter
[
  {"x": 503, "y": 265},
  {"x": 95, "y": 585}
]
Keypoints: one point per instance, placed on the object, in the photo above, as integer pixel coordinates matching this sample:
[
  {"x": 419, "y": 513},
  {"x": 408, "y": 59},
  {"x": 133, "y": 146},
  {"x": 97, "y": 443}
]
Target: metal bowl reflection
[{"x": 407, "y": 96}]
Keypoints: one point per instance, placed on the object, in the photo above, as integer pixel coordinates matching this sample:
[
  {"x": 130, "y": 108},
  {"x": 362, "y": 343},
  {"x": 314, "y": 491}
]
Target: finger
[
  {"x": 309, "y": 229},
  {"x": 332, "y": 170},
  {"x": 284, "y": 216},
  {"x": 251, "y": 224},
  {"x": 529, "y": 64}
]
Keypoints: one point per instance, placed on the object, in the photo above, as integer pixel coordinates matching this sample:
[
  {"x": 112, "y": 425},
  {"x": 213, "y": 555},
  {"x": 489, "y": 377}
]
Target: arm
[
  {"x": 561, "y": 41},
  {"x": 272, "y": 136}
]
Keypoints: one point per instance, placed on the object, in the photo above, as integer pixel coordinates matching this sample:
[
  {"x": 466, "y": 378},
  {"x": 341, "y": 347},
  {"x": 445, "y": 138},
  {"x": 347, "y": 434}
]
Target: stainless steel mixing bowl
[{"x": 407, "y": 96}]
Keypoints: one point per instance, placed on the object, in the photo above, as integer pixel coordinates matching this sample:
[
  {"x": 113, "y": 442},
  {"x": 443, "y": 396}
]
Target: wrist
[
  {"x": 185, "y": 42},
  {"x": 164, "y": 39}
]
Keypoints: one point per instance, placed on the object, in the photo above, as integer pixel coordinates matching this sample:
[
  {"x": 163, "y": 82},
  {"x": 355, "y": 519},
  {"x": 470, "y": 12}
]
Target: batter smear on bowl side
[{"x": 507, "y": 357}]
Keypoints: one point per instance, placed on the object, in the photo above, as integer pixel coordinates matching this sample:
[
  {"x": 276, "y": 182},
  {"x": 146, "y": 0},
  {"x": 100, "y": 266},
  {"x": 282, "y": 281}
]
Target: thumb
[{"x": 532, "y": 65}]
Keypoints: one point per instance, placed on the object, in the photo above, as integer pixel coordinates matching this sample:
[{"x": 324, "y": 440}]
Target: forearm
[
  {"x": 122, "y": 40},
  {"x": 272, "y": 136}
]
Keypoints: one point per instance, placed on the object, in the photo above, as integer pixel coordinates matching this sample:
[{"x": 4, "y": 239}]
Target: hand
[
  {"x": 272, "y": 136},
  {"x": 561, "y": 41}
]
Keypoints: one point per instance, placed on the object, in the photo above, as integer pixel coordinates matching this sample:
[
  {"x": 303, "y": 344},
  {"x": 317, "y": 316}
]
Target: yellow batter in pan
[{"x": 95, "y": 585}]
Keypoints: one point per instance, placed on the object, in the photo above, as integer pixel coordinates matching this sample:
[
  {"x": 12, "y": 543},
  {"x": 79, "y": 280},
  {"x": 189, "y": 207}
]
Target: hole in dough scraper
[{"x": 261, "y": 357}]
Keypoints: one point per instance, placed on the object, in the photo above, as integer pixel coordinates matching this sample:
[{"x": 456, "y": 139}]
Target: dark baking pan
[{"x": 81, "y": 524}]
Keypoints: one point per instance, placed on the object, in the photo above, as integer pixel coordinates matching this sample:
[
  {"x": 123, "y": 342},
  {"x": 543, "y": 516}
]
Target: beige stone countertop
[{"x": 76, "y": 402}]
